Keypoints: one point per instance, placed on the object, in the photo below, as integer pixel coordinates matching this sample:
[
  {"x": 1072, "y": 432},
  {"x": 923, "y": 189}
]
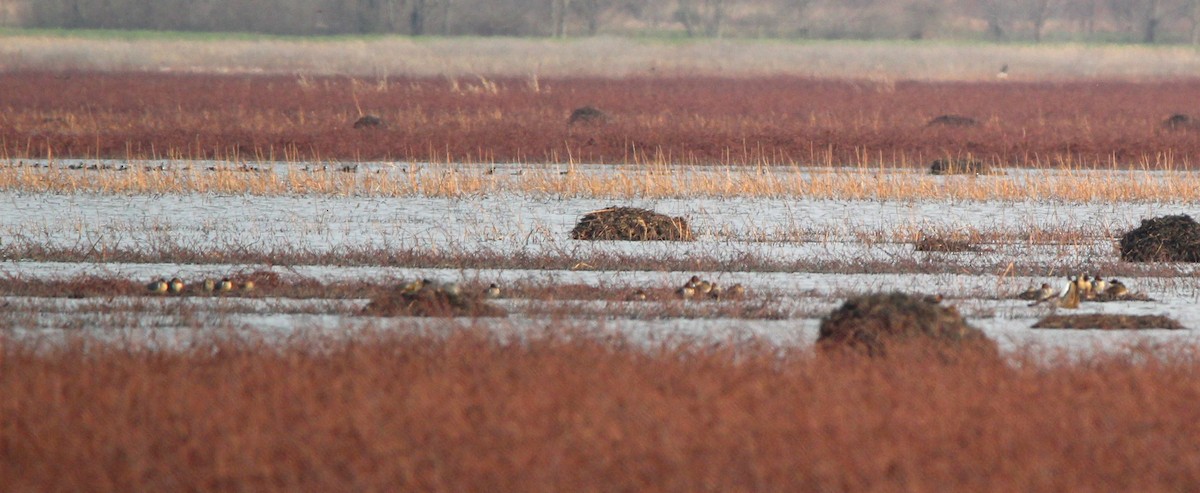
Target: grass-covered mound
[
  {"x": 943, "y": 243},
  {"x": 952, "y": 121},
  {"x": 430, "y": 300},
  {"x": 631, "y": 224},
  {"x": 869, "y": 323},
  {"x": 587, "y": 115},
  {"x": 1180, "y": 121},
  {"x": 1107, "y": 321},
  {"x": 1163, "y": 239}
]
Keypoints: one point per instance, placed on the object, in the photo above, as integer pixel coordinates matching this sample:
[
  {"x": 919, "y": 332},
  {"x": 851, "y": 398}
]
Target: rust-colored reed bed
[
  {"x": 468, "y": 412},
  {"x": 698, "y": 120}
]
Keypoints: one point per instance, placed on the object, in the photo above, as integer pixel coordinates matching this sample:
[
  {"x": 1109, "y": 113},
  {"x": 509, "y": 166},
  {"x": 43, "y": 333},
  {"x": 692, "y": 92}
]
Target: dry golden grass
[
  {"x": 468, "y": 412},
  {"x": 1153, "y": 184}
]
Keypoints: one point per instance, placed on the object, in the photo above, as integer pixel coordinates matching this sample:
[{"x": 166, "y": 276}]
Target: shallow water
[{"x": 511, "y": 224}]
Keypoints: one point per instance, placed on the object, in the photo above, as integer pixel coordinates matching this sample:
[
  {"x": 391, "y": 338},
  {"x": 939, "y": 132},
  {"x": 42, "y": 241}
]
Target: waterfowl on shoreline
[
  {"x": 1037, "y": 293},
  {"x": 158, "y": 287},
  {"x": 1071, "y": 298},
  {"x": 225, "y": 285},
  {"x": 686, "y": 292},
  {"x": 176, "y": 285},
  {"x": 248, "y": 285},
  {"x": 492, "y": 291},
  {"x": 210, "y": 285},
  {"x": 1084, "y": 284},
  {"x": 638, "y": 294},
  {"x": 1116, "y": 289}
]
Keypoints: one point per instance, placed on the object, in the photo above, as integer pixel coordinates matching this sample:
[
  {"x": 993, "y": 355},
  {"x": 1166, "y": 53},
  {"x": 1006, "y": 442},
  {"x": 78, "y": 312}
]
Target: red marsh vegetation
[
  {"x": 469, "y": 412},
  {"x": 680, "y": 120}
]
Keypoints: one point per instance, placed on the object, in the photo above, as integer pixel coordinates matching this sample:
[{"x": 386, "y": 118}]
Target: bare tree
[
  {"x": 795, "y": 13},
  {"x": 998, "y": 14},
  {"x": 1037, "y": 12},
  {"x": 706, "y": 16},
  {"x": 558, "y": 16},
  {"x": 1083, "y": 13},
  {"x": 592, "y": 12}
]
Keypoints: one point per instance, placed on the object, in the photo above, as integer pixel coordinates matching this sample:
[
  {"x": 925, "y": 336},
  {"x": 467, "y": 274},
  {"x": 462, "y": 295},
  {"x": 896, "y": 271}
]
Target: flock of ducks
[
  {"x": 695, "y": 288},
  {"x": 701, "y": 288},
  {"x": 1082, "y": 287},
  {"x": 177, "y": 286}
]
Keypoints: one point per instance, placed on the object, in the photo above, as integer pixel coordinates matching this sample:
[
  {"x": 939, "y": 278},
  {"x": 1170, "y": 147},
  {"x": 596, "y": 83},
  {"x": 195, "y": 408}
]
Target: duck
[
  {"x": 736, "y": 291},
  {"x": 176, "y": 285},
  {"x": 1099, "y": 286},
  {"x": 158, "y": 287},
  {"x": 1064, "y": 298},
  {"x": 1071, "y": 298},
  {"x": 933, "y": 299},
  {"x": 225, "y": 285},
  {"x": 693, "y": 281},
  {"x": 1046, "y": 292},
  {"x": 686, "y": 292},
  {"x": 1037, "y": 293},
  {"x": 637, "y": 295},
  {"x": 715, "y": 292},
  {"x": 703, "y": 287},
  {"x": 248, "y": 285},
  {"x": 412, "y": 287},
  {"x": 1116, "y": 289},
  {"x": 492, "y": 291},
  {"x": 210, "y": 285}
]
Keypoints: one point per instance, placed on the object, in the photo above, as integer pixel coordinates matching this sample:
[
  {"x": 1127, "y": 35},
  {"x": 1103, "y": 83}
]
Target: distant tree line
[{"x": 1146, "y": 21}]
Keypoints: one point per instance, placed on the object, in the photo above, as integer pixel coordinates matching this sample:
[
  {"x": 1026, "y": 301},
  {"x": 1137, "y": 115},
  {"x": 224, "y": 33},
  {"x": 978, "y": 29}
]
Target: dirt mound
[
  {"x": 960, "y": 166},
  {"x": 631, "y": 224},
  {"x": 368, "y": 121},
  {"x": 937, "y": 243},
  {"x": 869, "y": 323},
  {"x": 1163, "y": 239},
  {"x": 431, "y": 301},
  {"x": 587, "y": 115},
  {"x": 1180, "y": 121},
  {"x": 952, "y": 121},
  {"x": 1108, "y": 322}
]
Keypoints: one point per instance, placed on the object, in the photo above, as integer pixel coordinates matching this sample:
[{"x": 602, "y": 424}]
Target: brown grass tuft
[
  {"x": 961, "y": 166},
  {"x": 1105, "y": 321},
  {"x": 587, "y": 115},
  {"x": 944, "y": 243}
]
